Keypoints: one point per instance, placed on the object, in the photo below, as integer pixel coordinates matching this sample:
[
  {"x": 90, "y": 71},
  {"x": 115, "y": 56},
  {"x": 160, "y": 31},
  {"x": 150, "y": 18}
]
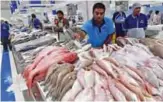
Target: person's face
[
  {"x": 137, "y": 11},
  {"x": 98, "y": 14},
  {"x": 60, "y": 16}
]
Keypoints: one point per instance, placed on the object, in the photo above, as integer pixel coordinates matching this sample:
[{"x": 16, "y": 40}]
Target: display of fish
[{"x": 132, "y": 72}]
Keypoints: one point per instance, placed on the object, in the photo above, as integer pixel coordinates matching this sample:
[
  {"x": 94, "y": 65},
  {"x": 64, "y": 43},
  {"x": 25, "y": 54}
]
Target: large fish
[
  {"x": 150, "y": 76},
  {"x": 55, "y": 90},
  {"x": 133, "y": 88},
  {"x": 65, "y": 89},
  {"x": 100, "y": 94},
  {"x": 89, "y": 77},
  {"x": 66, "y": 79},
  {"x": 51, "y": 70},
  {"x": 105, "y": 65},
  {"x": 117, "y": 94},
  {"x": 99, "y": 70},
  {"x": 76, "y": 89},
  {"x": 130, "y": 96}
]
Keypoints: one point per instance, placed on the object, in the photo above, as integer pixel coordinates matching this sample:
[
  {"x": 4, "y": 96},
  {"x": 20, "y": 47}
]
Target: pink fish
[
  {"x": 117, "y": 94},
  {"x": 100, "y": 94},
  {"x": 107, "y": 67},
  {"x": 99, "y": 70}
]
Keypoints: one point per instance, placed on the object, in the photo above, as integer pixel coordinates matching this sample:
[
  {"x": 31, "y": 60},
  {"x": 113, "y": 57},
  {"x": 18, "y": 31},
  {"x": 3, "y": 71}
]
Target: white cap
[{"x": 136, "y": 5}]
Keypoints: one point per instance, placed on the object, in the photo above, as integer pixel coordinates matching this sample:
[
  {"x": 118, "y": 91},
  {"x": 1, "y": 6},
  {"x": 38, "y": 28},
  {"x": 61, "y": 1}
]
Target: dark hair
[
  {"x": 59, "y": 11},
  {"x": 157, "y": 12},
  {"x": 33, "y": 16},
  {"x": 98, "y": 5},
  {"x": 6, "y": 22}
]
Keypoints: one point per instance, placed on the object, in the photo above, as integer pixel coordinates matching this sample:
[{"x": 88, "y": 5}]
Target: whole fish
[
  {"x": 105, "y": 65},
  {"x": 76, "y": 89},
  {"x": 133, "y": 74},
  {"x": 65, "y": 89},
  {"x": 150, "y": 77},
  {"x": 100, "y": 94},
  {"x": 112, "y": 60},
  {"x": 117, "y": 94},
  {"x": 89, "y": 77},
  {"x": 86, "y": 95},
  {"x": 100, "y": 80},
  {"x": 80, "y": 77},
  {"x": 66, "y": 97},
  {"x": 158, "y": 72},
  {"x": 69, "y": 68},
  {"x": 99, "y": 70},
  {"x": 85, "y": 63},
  {"x": 128, "y": 94},
  {"x": 53, "y": 78},
  {"x": 138, "y": 72},
  {"x": 51, "y": 70},
  {"x": 133, "y": 88}
]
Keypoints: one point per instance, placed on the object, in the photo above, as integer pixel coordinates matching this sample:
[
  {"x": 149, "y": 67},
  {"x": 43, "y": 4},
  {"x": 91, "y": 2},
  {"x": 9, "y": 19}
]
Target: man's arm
[{"x": 110, "y": 38}]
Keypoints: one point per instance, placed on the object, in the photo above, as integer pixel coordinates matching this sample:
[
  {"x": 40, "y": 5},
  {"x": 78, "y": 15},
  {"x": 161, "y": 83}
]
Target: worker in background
[
  {"x": 36, "y": 23},
  {"x": 150, "y": 17},
  {"x": 5, "y": 35},
  {"x": 156, "y": 18},
  {"x": 46, "y": 19},
  {"x": 61, "y": 22},
  {"x": 119, "y": 18},
  {"x": 162, "y": 18},
  {"x": 149, "y": 14},
  {"x": 136, "y": 23},
  {"x": 99, "y": 29}
]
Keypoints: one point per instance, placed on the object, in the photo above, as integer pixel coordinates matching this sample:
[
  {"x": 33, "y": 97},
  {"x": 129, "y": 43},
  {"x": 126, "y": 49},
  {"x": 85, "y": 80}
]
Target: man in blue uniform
[
  {"x": 5, "y": 35},
  {"x": 119, "y": 18},
  {"x": 36, "y": 22},
  {"x": 136, "y": 23},
  {"x": 99, "y": 29}
]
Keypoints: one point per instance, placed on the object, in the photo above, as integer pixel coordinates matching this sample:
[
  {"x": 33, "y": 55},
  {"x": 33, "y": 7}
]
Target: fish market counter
[{"x": 74, "y": 71}]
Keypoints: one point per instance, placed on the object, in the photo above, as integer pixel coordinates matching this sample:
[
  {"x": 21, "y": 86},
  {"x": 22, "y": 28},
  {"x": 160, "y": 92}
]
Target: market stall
[{"x": 68, "y": 70}]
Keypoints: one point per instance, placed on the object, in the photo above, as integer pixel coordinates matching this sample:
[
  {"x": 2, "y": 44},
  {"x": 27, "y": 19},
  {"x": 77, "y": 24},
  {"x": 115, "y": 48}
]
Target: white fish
[{"x": 89, "y": 77}]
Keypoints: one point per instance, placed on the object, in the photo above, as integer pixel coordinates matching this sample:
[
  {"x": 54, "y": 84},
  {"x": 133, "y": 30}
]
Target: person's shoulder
[
  {"x": 129, "y": 16},
  {"x": 143, "y": 15},
  {"x": 108, "y": 20},
  {"x": 88, "y": 23}
]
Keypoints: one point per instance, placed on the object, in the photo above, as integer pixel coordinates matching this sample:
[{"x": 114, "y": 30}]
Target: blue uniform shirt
[
  {"x": 5, "y": 30},
  {"x": 36, "y": 23},
  {"x": 139, "y": 21},
  {"x": 98, "y": 35}
]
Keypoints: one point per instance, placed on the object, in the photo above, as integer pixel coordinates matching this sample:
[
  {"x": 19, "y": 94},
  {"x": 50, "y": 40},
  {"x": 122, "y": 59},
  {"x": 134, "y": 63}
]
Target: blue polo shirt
[
  {"x": 139, "y": 21},
  {"x": 97, "y": 35}
]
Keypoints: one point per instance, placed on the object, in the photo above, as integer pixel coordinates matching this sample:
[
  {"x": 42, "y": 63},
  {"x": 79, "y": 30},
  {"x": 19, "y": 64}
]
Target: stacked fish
[
  {"x": 59, "y": 79},
  {"x": 122, "y": 41},
  {"x": 113, "y": 79},
  {"x": 155, "y": 45},
  {"x": 47, "y": 57}
]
